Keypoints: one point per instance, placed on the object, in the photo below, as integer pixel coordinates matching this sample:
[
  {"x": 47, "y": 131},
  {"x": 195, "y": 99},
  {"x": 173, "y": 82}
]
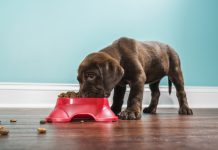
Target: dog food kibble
[
  {"x": 42, "y": 121},
  {"x": 41, "y": 130},
  {"x": 3, "y": 130},
  {"x": 13, "y": 120},
  {"x": 69, "y": 94}
]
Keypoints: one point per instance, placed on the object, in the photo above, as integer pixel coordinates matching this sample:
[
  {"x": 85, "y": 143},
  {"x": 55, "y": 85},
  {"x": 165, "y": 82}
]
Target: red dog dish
[{"x": 67, "y": 109}]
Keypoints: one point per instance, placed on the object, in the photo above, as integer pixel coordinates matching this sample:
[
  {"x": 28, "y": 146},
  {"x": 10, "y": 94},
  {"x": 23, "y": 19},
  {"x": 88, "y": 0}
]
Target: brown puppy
[{"x": 127, "y": 61}]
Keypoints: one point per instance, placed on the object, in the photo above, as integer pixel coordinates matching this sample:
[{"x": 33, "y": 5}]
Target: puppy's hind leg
[
  {"x": 119, "y": 93},
  {"x": 177, "y": 79},
  {"x": 155, "y": 94}
]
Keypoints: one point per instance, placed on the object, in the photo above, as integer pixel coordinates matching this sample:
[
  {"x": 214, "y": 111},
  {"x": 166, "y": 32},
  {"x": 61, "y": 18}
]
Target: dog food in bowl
[{"x": 69, "y": 94}]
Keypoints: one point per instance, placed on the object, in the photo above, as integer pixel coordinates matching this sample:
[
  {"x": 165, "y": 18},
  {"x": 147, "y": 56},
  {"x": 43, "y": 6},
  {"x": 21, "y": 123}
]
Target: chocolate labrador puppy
[{"x": 128, "y": 61}]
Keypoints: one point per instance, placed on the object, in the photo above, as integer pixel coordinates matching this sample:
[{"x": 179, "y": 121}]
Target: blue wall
[{"x": 45, "y": 40}]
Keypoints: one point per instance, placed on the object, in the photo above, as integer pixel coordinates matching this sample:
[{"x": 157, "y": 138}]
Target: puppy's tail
[{"x": 169, "y": 86}]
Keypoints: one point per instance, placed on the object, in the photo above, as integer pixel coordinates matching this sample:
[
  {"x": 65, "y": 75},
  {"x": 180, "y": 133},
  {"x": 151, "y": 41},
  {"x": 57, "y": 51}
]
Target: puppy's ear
[{"x": 111, "y": 72}]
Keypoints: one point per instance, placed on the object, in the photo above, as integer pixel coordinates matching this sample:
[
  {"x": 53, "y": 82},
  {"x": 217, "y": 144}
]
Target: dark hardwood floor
[{"x": 166, "y": 130}]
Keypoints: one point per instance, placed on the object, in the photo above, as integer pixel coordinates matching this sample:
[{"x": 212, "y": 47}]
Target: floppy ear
[{"x": 111, "y": 73}]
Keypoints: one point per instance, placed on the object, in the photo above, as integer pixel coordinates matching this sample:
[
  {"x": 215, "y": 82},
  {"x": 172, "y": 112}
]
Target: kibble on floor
[
  {"x": 13, "y": 120},
  {"x": 3, "y": 131},
  {"x": 42, "y": 122},
  {"x": 41, "y": 130}
]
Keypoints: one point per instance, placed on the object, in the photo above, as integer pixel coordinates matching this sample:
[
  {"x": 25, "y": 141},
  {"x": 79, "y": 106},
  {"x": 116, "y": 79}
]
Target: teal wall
[{"x": 45, "y": 40}]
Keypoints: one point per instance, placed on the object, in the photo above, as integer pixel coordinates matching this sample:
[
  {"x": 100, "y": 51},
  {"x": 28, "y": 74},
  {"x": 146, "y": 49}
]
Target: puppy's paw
[
  {"x": 185, "y": 110},
  {"x": 115, "y": 110},
  {"x": 128, "y": 114},
  {"x": 149, "y": 110}
]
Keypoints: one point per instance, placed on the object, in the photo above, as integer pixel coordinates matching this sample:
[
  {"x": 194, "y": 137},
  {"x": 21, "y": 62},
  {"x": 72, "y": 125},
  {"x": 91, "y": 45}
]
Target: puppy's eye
[{"x": 90, "y": 76}]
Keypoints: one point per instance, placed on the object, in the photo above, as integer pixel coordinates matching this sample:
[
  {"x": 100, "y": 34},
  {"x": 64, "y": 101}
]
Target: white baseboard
[{"x": 41, "y": 95}]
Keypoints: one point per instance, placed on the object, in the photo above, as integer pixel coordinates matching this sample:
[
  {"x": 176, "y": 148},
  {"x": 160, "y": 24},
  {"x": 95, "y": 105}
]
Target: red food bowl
[{"x": 67, "y": 109}]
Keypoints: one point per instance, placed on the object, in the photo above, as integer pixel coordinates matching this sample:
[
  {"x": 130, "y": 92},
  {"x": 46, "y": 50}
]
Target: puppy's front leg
[
  {"x": 119, "y": 93},
  {"x": 134, "y": 104}
]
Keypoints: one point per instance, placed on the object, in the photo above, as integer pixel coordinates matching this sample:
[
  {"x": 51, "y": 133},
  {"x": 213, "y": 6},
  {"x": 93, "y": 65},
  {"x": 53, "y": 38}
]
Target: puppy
[{"x": 128, "y": 61}]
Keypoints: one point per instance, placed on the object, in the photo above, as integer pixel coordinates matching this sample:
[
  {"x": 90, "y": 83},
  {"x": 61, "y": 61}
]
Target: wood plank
[{"x": 166, "y": 130}]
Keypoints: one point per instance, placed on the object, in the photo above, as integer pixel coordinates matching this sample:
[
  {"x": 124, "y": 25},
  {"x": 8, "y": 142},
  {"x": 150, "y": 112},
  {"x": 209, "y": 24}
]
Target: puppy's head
[{"x": 98, "y": 74}]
